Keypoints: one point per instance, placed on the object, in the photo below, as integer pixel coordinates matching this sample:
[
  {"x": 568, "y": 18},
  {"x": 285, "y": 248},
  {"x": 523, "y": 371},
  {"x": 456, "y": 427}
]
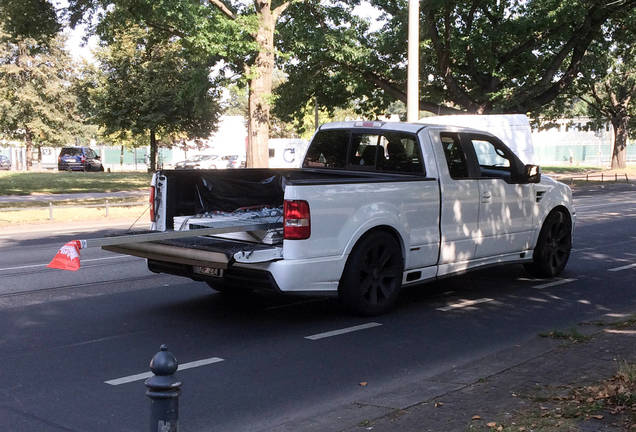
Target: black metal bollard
[{"x": 163, "y": 390}]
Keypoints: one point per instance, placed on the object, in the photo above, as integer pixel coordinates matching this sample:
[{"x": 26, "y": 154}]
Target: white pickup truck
[{"x": 375, "y": 206}]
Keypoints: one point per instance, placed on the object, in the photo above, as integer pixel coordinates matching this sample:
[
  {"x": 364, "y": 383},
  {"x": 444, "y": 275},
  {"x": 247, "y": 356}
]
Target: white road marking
[
  {"x": 624, "y": 332},
  {"x": 625, "y": 267},
  {"x": 585, "y": 207},
  {"x": 83, "y": 261},
  {"x": 138, "y": 377},
  {"x": 80, "y": 229},
  {"x": 555, "y": 283},
  {"x": 343, "y": 331},
  {"x": 463, "y": 304}
]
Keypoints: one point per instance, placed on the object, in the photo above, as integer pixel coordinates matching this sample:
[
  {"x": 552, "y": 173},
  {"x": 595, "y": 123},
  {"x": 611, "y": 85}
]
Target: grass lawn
[
  {"x": 28, "y": 183},
  {"x": 582, "y": 170},
  {"x": 569, "y": 169}
]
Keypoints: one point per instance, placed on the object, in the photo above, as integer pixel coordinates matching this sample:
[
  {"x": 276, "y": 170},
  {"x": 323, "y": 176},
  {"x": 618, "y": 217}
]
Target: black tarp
[{"x": 229, "y": 194}]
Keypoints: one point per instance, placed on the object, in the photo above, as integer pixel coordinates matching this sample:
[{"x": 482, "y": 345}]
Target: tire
[
  {"x": 553, "y": 247},
  {"x": 372, "y": 277}
]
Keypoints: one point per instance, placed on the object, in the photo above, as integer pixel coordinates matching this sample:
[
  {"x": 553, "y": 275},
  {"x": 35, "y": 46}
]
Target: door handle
[{"x": 485, "y": 197}]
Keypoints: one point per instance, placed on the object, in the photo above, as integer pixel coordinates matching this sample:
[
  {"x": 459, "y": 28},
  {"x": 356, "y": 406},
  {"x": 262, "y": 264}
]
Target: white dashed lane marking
[
  {"x": 138, "y": 377},
  {"x": 625, "y": 267},
  {"x": 463, "y": 304},
  {"x": 343, "y": 331},
  {"x": 554, "y": 283},
  {"x": 83, "y": 261}
]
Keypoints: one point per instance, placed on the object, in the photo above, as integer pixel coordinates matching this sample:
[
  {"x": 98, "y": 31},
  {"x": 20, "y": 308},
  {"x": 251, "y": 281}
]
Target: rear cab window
[
  {"x": 386, "y": 151},
  {"x": 71, "y": 151}
]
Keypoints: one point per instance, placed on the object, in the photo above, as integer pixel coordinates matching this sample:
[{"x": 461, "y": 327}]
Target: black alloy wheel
[
  {"x": 372, "y": 277},
  {"x": 553, "y": 246}
]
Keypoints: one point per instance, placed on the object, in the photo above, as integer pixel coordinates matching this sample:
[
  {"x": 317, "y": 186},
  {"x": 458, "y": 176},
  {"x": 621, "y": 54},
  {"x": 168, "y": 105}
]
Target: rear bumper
[
  {"x": 234, "y": 277},
  {"x": 312, "y": 276},
  {"x": 73, "y": 166}
]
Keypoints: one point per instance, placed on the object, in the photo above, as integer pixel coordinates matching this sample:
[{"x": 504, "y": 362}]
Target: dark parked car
[
  {"x": 79, "y": 159},
  {"x": 5, "y": 162}
]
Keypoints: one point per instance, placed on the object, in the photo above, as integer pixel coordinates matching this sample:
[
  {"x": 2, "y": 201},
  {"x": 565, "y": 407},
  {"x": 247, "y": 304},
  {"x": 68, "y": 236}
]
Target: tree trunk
[
  {"x": 121, "y": 157},
  {"x": 619, "y": 153},
  {"x": 153, "y": 152},
  {"x": 29, "y": 149},
  {"x": 260, "y": 89}
]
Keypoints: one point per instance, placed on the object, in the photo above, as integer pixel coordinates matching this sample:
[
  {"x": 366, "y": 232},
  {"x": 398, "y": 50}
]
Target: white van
[{"x": 513, "y": 129}]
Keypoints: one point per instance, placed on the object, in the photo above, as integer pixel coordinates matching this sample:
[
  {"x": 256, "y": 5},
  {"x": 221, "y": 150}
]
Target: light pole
[{"x": 412, "y": 94}]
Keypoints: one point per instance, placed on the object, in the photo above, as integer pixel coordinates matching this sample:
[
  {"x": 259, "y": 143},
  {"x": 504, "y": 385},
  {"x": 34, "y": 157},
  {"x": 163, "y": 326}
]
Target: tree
[
  {"x": 241, "y": 32},
  {"x": 607, "y": 83},
  {"x": 259, "y": 72},
  {"x": 36, "y": 104},
  {"x": 32, "y": 19},
  {"x": 146, "y": 86},
  {"x": 479, "y": 56}
]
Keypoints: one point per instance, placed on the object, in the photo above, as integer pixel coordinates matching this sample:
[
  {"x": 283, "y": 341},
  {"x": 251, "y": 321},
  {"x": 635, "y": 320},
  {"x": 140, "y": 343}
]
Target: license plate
[{"x": 208, "y": 271}]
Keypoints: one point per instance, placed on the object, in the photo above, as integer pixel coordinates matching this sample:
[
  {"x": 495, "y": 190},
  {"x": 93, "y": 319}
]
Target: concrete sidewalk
[{"x": 528, "y": 387}]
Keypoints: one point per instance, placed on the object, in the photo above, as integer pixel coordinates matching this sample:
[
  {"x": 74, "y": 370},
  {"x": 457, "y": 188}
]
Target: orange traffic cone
[{"x": 68, "y": 257}]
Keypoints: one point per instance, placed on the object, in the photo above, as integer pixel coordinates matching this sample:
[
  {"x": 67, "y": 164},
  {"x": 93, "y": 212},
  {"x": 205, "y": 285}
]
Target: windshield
[{"x": 71, "y": 151}]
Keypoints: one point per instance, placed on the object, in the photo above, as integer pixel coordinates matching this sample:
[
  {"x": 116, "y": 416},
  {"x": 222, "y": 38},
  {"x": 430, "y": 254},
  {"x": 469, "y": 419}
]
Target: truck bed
[{"x": 201, "y": 192}]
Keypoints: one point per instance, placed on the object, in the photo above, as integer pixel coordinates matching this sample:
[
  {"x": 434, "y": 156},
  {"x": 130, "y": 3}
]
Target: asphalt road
[{"x": 63, "y": 335}]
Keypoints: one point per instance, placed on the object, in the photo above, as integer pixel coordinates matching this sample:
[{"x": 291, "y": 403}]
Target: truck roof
[{"x": 392, "y": 126}]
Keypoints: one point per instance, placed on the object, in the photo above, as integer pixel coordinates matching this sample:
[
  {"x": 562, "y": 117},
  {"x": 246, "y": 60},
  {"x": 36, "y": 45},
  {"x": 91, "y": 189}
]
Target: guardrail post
[
  {"x": 50, "y": 211},
  {"x": 163, "y": 390}
]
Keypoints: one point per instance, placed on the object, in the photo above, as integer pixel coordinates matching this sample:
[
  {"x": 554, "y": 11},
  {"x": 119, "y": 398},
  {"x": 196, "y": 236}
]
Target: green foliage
[
  {"x": 607, "y": 82},
  {"x": 202, "y": 30},
  {"x": 145, "y": 82},
  {"x": 478, "y": 56},
  {"x": 30, "y": 19},
  {"x": 36, "y": 105}
]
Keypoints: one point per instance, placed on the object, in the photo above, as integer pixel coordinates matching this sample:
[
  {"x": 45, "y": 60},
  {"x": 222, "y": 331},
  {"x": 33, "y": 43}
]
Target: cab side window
[
  {"x": 493, "y": 160},
  {"x": 455, "y": 156}
]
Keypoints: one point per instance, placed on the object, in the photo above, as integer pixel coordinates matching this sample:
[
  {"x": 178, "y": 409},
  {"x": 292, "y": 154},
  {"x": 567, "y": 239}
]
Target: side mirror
[{"x": 533, "y": 173}]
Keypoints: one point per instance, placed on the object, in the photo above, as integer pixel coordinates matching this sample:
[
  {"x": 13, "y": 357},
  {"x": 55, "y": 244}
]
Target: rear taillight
[
  {"x": 83, "y": 159},
  {"x": 152, "y": 204},
  {"x": 296, "y": 220}
]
